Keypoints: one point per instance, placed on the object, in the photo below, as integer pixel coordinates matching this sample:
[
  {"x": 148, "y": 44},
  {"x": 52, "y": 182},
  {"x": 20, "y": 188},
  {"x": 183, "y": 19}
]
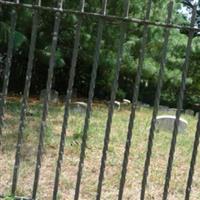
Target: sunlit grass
[{"x": 93, "y": 154}]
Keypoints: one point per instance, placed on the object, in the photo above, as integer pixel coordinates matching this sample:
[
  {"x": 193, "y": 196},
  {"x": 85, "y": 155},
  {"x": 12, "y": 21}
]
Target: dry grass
[{"x": 93, "y": 155}]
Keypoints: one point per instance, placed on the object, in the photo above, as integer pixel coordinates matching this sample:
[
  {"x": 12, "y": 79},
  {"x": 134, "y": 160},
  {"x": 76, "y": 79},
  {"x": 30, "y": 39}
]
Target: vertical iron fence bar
[
  {"x": 193, "y": 161},
  {"x": 47, "y": 97},
  {"x": 9, "y": 55},
  {"x": 157, "y": 102},
  {"x": 25, "y": 99},
  {"x": 179, "y": 106},
  {"x": 134, "y": 103},
  {"x": 90, "y": 98},
  {"x": 123, "y": 28},
  {"x": 67, "y": 102}
]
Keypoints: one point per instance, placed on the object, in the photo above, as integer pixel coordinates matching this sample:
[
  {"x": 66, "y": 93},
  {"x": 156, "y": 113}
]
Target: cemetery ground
[{"x": 93, "y": 154}]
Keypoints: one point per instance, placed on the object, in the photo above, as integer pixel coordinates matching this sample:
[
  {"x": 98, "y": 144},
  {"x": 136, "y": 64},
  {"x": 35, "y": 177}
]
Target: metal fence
[{"x": 102, "y": 17}]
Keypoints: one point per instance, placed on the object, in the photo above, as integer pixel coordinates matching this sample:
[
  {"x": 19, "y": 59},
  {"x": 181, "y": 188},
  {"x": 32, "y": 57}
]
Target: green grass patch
[{"x": 95, "y": 140}]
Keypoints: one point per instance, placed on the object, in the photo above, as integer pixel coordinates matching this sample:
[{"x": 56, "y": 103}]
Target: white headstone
[
  {"x": 166, "y": 123},
  {"x": 126, "y": 102}
]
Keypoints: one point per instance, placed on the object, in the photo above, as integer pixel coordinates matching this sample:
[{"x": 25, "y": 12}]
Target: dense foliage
[{"x": 175, "y": 56}]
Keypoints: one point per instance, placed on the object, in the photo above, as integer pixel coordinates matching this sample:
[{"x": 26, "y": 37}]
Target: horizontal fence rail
[
  {"x": 99, "y": 15},
  {"x": 103, "y": 19}
]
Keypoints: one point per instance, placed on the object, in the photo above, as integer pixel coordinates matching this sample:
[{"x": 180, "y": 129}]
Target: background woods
[{"x": 175, "y": 56}]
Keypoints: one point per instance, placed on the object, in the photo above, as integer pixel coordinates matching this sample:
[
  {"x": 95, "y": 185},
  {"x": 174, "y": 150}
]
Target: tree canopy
[{"x": 175, "y": 56}]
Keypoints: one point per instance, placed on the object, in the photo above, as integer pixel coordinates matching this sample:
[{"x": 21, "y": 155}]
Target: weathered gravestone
[
  {"x": 172, "y": 110},
  {"x": 189, "y": 112},
  {"x": 53, "y": 96},
  {"x": 163, "y": 108},
  {"x": 166, "y": 123},
  {"x": 78, "y": 107},
  {"x": 116, "y": 105},
  {"x": 197, "y": 115}
]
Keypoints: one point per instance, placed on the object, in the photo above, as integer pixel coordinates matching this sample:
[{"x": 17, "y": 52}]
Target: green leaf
[
  {"x": 45, "y": 54},
  {"x": 4, "y": 35},
  {"x": 19, "y": 39}
]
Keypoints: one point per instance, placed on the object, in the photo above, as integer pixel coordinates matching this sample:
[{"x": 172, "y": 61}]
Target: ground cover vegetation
[{"x": 93, "y": 154}]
